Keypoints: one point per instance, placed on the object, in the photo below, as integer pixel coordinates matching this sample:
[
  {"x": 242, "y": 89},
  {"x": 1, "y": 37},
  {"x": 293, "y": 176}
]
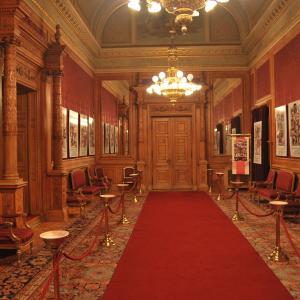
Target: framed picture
[
  {"x": 106, "y": 138},
  {"x": 73, "y": 133},
  {"x": 91, "y": 136},
  {"x": 281, "y": 130},
  {"x": 112, "y": 139},
  {"x": 83, "y": 135},
  {"x": 65, "y": 132},
  {"x": 257, "y": 151},
  {"x": 116, "y": 139},
  {"x": 294, "y": 128}
]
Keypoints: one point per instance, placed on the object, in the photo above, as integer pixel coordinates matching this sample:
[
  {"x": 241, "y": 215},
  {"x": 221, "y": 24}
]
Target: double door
[{"x": 172, "y": 153}]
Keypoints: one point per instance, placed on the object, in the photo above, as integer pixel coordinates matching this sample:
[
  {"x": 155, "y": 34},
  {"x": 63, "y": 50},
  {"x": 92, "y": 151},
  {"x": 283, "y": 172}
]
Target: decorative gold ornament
[{"x": 184, "y": 10}]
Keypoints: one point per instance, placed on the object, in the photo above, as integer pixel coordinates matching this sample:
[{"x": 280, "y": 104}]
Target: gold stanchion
[
  {"x": 107, "y": 241},
  {"x": 54, "y": 239},
  {"x": 210, "y": 175},
  {"x": 135, "y": 177},
  {"x": 237, "y": 185},
  {"x": 122, "y": 187},
  {"x": 220, "y": 176},
  {"x": 277, "y": 254},
  {"x": 140, "y": 182}
]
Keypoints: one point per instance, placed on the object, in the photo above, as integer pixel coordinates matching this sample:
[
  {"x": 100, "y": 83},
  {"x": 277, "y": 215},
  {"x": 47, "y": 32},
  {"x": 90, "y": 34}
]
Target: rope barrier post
[
  {"x": 277, "y": 254},
  {"x": 107, "y": 241},
  {"x": 210, "y": 174},
  {"x": 135, "y": 178},
  {"x": 220, "y": 176},
  {"x": 54, "y": 239},
  {"x": 122, "y": 187},
  {"x": 237, "y": 185},
  {"x": 140, "y": 182}
]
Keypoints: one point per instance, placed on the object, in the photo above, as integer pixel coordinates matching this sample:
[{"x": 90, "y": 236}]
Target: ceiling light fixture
[
  {"x": 184, "y": 10},
  {"x": 173, "y": 84}
]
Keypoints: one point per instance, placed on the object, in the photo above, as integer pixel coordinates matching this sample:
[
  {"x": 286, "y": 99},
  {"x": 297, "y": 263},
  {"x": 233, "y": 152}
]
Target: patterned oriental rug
[
  {"x": 87, "y": 279},
  {"x": 184, "y": 247}
]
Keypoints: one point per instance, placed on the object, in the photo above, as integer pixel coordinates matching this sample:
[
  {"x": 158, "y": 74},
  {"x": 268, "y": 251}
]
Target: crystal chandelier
[
  {"x": 184, "y": 10},
  {"x": 173, "y": 84}
]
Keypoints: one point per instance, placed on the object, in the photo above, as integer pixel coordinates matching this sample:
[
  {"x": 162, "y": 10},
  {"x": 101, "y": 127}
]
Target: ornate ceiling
[{"x": 109, "y": 37}]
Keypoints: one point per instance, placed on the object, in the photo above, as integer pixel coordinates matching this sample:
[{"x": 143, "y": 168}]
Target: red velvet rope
[
  {"x": 56, "y": 264},
  {"x": 89, "y": 250},
  {"x": 117, "y": 209},
  {"x": 50, "y": 278},
  {"x": 254, "y": 214},
  {"x": 289, "y": 236}
]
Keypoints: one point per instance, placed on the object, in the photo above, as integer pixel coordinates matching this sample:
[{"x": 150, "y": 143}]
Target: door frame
[{"x": 169, "y": 110}]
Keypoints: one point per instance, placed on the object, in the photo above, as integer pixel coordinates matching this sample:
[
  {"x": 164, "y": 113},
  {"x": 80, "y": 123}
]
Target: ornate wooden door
[
  {"x": 171, "y": 153},
  {"x": 23, "y": 169}
]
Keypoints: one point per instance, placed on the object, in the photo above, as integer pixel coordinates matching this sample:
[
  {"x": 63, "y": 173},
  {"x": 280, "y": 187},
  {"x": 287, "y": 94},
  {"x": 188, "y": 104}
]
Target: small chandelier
[
  {"x": 173, "y": 84},
  {"x": 184, "y": 10}
]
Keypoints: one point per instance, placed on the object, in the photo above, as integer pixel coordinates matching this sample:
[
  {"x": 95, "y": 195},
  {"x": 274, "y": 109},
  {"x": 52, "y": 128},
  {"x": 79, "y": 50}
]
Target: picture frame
[
  {"x": 294, "y": 128},
  {"x": 112, "y": 139},
  {"x": 65, "y": 132},
  {"x": 73, "y": 133},
  {"x": 240, "y": 154},
  {"x": 281, "y": 131},
  {"x": 91, "y": 136},
  {"x": 83, "y": 137},
  {"x": 106, "y": 138},
  {"x": 257, "y": 143}
]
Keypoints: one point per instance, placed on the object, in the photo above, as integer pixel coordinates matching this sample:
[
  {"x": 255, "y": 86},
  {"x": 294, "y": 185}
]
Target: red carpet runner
[{"x": 183, "y": 247}]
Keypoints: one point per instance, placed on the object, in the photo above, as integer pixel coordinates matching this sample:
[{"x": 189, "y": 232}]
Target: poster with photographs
[
  {"x": 112, "y": 139},
  {"x": 294, "y": 128},
  {"x": 257, "y": 148},
  {"x": 240, "y": 155},
  {"x": 106, "y": 138},
  {"x": 116, "y": 139},
  {"x": 65, "y": 132},
  {"x": 281, "y": 131},
  {"x": 83, "y": 135},
  {"x": 73, "y": 133},
  {"x": 91, "y": 136}
]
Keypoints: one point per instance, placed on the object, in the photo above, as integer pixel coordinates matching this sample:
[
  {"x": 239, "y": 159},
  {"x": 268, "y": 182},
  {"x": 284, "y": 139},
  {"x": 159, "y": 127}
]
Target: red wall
[
  {"x": 77, "y": 88},
  {"x": 263, "y": 80},
  {"x": 287, "y": 73},
  {"x": 109, "y": 107}
]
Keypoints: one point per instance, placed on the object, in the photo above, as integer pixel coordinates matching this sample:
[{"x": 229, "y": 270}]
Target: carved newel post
[{"x": 54, "y": 69}]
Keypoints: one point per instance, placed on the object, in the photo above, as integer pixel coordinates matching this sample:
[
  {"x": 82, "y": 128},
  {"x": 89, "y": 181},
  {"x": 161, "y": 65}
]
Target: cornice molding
[{"x": 265, "y": 23}]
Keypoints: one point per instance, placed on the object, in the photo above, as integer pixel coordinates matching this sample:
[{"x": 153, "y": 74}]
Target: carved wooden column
[
  {"x": 201, "y": 136},
  {"x": 9, "y": 111},
  {"x": 142, "y": 130},
  {"x": 54, "y": 69},
  {"x": 11, "y": 186}
]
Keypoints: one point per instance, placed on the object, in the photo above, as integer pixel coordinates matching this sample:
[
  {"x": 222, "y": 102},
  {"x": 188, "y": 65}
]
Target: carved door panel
[
  {"x": 22, "y": 112},
  {"x": 182, "y": 153},
  {"x": 172, "y": 153},
  {"x": 162, "y": 170}
]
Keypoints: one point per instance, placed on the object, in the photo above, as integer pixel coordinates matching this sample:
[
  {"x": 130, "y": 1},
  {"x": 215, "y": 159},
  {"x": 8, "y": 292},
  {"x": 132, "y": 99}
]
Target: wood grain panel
[{"x": 172, "y": 153}]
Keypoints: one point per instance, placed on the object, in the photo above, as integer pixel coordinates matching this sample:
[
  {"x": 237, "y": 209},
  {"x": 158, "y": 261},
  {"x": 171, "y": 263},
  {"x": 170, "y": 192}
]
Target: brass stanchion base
[
  {"x": 107, "y": 241},
  {"x": 210, "y": 190},
  {"x": 237, "y": 217},
  {"x": 219, "y": 198},
  {"x": 124, "y": 220},
  {"x": 141, "y": 193},
  {"x": 278, "y": 255},
  {"x": 135, "y": 199}
]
